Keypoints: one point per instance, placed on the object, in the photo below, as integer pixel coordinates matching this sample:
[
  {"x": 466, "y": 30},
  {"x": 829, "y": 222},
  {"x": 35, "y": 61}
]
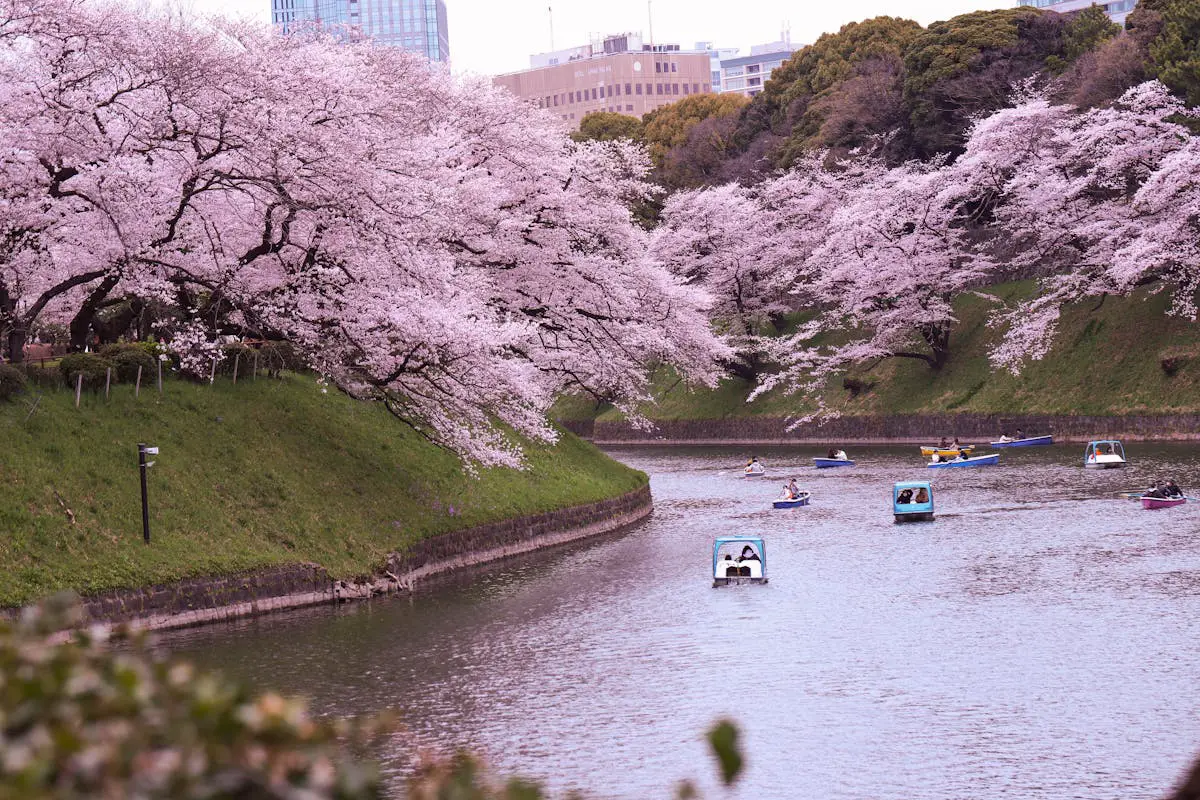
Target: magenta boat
[{"x": 1162, "y": 502}]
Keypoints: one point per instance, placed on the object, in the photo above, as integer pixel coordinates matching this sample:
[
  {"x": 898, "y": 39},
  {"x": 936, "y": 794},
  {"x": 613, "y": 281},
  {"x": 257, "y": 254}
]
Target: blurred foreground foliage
[{"x": 81, "y": 719}]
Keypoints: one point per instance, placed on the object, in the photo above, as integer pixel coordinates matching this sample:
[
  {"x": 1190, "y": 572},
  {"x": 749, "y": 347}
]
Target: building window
[
  {"x": 629, "y": 89},
  {"x": 695, "y": 88},
  {"x": 752, "y": 69},
  {"x": 754, "y": 81},
  {"x": 685, "y": 89},
  {"x": 610, "y": 90},
  {"x": 658, "y": 88},
  {"x": 707, "y": 88},
  {"x": 593, "y": 93},
  {"x": 674, "y": 88},
  {"x": 658, "y": 66},
  {"x": 674, "y": 67},
  {"x": 556, "y": 100},
  {"x": 629, "y": 107},
  {"x": 547, "y": 103},
  {"x": 639, "y": 89}
]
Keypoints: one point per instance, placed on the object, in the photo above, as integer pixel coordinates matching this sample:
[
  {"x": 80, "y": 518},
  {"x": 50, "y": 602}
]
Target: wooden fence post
[
  {"x": 78, "y": 388},
  {"x": 237, "y": 359},
  {"x": 160, "y": 376},
  {"x": 137, "y": 386},
  {"x": 212, "y": 375},
  {"x": 255, "y": 376},
  {"x": 107, "y": 381}
]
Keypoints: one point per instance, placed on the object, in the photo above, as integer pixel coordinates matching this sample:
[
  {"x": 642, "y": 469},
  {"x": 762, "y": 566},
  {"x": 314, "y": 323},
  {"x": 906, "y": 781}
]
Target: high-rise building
[
  {"x": 748, "y": 74},
  {"x": 617, "y": 73},
  {"x": 416, "y": 25},
  {"x": 1117, "y": 10}
]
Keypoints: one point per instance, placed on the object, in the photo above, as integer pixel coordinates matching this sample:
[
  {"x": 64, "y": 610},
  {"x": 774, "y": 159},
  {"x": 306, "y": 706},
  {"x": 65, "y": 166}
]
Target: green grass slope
[
  {"x": 1105, "y": 360},
  {"x": 257, "y": 474}
]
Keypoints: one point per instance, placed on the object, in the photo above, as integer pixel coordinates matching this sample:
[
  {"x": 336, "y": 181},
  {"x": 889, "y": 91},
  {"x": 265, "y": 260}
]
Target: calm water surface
[{"x": 1040, "y": 639}]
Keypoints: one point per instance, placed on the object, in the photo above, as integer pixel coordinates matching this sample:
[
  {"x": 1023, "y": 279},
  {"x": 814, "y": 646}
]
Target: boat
[
  {"x": 793, "y": 502},
  {"x": 974, "y": 461},
  {"x": 947, "y": 452},
  {"x": 757, "y": 471},
  {"x": 1104, "y": 454},
  {"x": 912, "y": 501},
  {"x": 739, "y": 559},
  {"x": 1162, "y": 502},
  {"x": 1028, "y": 441},
  {"x": 826, "y": 463}
]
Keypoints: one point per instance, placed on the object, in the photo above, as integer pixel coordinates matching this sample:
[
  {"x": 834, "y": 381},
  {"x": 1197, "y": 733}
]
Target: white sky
[{"x": 494, "y": 36}]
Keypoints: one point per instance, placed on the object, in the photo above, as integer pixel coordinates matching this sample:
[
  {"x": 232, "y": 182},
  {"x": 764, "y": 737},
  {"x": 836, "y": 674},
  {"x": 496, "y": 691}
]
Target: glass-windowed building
[
  {"x": 416, "y": 25},
  {"x": 1117, "y": 10}
]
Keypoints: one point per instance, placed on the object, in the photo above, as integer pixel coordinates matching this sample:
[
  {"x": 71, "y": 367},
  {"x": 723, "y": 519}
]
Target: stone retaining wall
[
  {"x": 201, "y": 600},
  {"x": 923, "y": 428}
]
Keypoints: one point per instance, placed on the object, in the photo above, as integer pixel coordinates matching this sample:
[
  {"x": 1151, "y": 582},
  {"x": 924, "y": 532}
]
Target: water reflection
[{"x": 1038, "y": 640}]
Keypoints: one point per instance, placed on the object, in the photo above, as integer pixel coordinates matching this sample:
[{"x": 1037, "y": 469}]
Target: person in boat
[
  {"x": 1020, "y": 433},
  {"x": 1172, "y": 489},
  {"x": 1159, "y": 489},
  {"x": 922, "y": 496},
  {"x": 840, "y": 455},
  {"x": 1004, "y": 437},
  {"x": 961, "y": 456},
  {"x": 943, "y": 444},
  {"x": 936, "y": 459},
  {"x": 957, "y": 446},
  {"x": 793, "y": 491},
  {"x": 905, "y": 496},
  {"x": 748, "y": 554},
  {"x": 832, "y": 454},
  {"x": 753, "y": 465}
]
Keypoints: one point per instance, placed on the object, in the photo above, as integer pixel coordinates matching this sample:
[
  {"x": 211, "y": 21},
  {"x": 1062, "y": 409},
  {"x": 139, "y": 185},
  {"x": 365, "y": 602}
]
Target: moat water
[{"x": 1040, "y": 639}]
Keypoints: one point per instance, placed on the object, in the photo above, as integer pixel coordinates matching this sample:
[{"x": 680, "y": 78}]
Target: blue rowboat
[
  {"x": 1028, "y": 441},
  {"x": 977, "y": 461},
  {"x": 802, "y": 500},
  {"x": 825, "y": 463}
]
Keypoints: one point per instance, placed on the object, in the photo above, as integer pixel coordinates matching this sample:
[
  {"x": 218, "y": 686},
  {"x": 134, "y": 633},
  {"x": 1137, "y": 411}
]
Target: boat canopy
[
  {"x": 733, "y": 545},
  {"x": 1106, "y": 447},
  {"x": 912, "y": 490}
]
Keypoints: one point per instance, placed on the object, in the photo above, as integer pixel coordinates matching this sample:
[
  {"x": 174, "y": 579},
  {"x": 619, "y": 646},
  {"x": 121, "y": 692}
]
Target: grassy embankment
[
  {"x": 1105, "y": 361},
  {"x": 261, "y": 473}
]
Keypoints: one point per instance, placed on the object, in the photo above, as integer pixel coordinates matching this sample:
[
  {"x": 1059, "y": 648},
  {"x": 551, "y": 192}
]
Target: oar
[{"x": 1132, "y": 495}]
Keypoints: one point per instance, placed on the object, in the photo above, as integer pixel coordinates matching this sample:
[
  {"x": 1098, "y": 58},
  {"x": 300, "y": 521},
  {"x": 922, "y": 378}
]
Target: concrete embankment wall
[
  {"x": 923, "y": 428},
  {"x": 212, "y": 599}
]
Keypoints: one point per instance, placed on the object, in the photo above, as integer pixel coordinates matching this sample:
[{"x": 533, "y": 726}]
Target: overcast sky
[{"x": 494, "y": 36}]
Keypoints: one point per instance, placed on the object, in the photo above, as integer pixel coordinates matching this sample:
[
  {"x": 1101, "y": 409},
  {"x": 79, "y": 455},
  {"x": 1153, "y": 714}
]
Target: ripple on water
[{"x": 1038, "y": 640}]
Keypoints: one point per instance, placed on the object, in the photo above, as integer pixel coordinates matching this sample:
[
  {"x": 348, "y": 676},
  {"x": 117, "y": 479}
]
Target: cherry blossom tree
[{"x": 431, "y": 242}]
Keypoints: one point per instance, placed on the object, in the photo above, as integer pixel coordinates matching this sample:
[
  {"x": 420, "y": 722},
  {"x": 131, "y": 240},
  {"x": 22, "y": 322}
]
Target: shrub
[
  {"x": 274, "y": 357},
  {"x": 127, "y": 361},
  {"x": 92, "y": 367},
  {"x": 232, "y": 353},
  {"x": 88, "y": 722},
  {"x": 12, "y": 382}
]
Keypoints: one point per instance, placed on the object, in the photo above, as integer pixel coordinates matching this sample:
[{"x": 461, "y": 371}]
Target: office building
[
  {"x": 747, "y": 74},
  {"x": 415, "y": 25},
  {"x": 617, "y": 73},
  {"x": 716, "y": 55},
  {"x": 1117, "y": 10}
]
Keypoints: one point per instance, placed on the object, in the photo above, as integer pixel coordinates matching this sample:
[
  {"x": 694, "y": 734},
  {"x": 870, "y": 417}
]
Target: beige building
[{"x": 619, "y": 74}]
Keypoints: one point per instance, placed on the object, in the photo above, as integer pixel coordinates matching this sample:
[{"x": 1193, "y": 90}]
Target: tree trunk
[{"x": 81, "y": 323}]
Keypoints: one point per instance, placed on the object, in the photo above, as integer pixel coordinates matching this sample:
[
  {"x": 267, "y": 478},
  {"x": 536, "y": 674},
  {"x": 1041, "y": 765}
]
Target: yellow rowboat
[{"x": 946, "y": 452}]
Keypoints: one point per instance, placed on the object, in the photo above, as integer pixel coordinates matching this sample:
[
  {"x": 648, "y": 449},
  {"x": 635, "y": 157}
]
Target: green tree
[
  {"x": 607, "y": 126},
  {"x": 967, "y": 66},
  {"x": 668, "y": 126},
  {"x": 804, "y": 94},
  {"x": 1175, "y": 53},
  {"x": 1086, "y": 31}
]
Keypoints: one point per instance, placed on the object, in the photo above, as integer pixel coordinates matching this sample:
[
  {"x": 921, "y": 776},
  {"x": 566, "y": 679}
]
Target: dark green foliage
[
  {"x": 723, "y": 738},
  {"x": 240, "y": 356},
  {"x": 1086, "y": 31},
  {"x": 606, "y": 126},
  {"x": 126, "y": 358},
  {"x": 276, "y": 356},
  {"x": 92, "y": 367},
  {"x": 1176, "y": 51},
  {"x": 82, "y": 721},
  {"x": 968, "y": 65},
  {"x": 12, "y": 382}
]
